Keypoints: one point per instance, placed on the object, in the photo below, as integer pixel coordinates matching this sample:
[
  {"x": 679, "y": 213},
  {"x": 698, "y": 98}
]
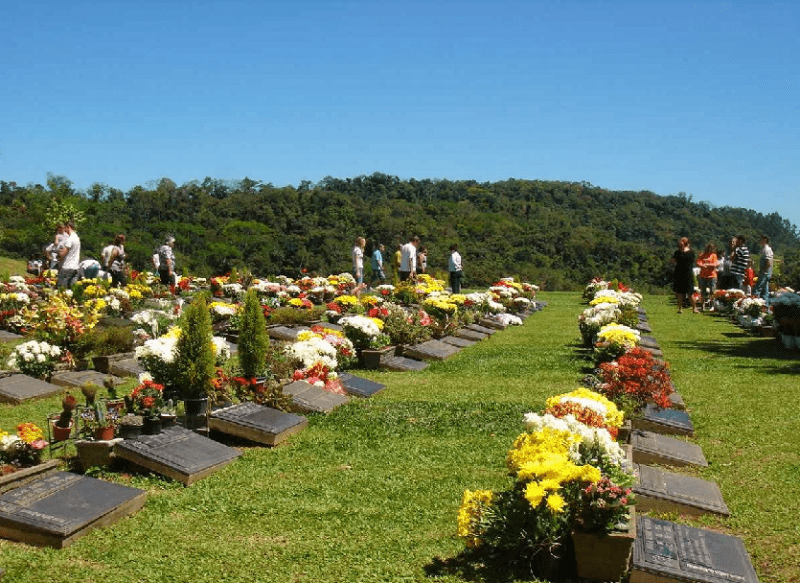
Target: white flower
[{"x": 313, "y": 350}]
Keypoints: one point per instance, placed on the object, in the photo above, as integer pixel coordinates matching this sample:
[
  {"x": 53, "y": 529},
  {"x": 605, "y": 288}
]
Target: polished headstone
[
  {"x": 668, "y": 421},
  {"x": 488, "y": 330},
  {"x": 403, "y": 364},
  {"x": 469, "y": 334},
  {"x": 359, "y": 386},
  {"x": 177, "y": 453},
  {"x": 431, "y": 350},
  {"x": 16, "y": 388},
  {"x": 128, "y": 367},
  {"x": 256, "y": 423},
  {"x": 662, "y": 491},
  {"x": 459, "y": 342},
  {"x": 307, "y": 398},
  {"x": 653, "y": 448},
  {"x": 6, "y": 336},
  {"x": 58, "y": 508},
  {"x": 664, "y": 552},
  {"x": 78, "y": 378}
]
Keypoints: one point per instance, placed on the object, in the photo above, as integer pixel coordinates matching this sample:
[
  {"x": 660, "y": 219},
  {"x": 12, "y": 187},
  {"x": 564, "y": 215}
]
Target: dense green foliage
[
  {"x": 194, "y": 352},
  {"x": 253, "y": 341},
  {"x": 559, "y": 234}
]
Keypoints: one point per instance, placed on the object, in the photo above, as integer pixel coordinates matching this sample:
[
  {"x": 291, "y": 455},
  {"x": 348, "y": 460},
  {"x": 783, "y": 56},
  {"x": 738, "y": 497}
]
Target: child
[{"x": 749, "y": 279}]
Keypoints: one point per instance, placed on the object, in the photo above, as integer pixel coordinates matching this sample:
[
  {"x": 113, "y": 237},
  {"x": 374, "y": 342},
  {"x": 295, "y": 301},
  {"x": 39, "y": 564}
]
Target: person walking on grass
[
  {"x": 408, "y": 259},
  {"x": 765, "y": 264},
  {"x": 377, "y": 266},
  {"x": 740, "y": 259},
  {"x": 70, "y": 255},
  {"x": 455, "y": 270},
  {"x": 707, "y": 280},
  {"x": 683, "y": 281}
]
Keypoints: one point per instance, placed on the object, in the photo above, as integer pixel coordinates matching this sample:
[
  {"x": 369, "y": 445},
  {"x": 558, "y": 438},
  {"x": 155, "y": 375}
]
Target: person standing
[
  {"x": 765, "y": 264},
  {"x": 454, "y": 268},
  {"x": 683, "y": 281},
  {"x": 358, "y": 260},
  {"x": 70, "y": 255},
  {"x": 422, "y": 260},
  {"x": 396, "y": 260},
  {"x": 377, "y": 266},
  {"x": 707, "y": 261},
  {"x": 408, "y": 259},
  {"x": 116, "y": 262},
  {"x": 740, "y": 259},
  {"x": 166, "y": 260}
]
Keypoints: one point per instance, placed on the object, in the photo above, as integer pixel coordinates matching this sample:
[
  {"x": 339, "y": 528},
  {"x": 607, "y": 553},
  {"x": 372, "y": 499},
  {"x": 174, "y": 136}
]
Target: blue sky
[{"x": 671, "y": 97}]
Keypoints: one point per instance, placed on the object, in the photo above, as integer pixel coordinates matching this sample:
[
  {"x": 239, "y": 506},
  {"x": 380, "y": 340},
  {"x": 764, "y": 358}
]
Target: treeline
[{"x": 556, "y": 234}]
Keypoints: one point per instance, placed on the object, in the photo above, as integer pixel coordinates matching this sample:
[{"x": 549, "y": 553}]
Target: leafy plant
[
  {"x": 195, "y": 357},
  {"x": 253, "y": 339}
]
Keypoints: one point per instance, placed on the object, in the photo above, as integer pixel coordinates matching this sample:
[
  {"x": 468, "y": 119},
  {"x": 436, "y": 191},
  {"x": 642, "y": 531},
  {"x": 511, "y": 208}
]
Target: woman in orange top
[{"x": 707, "y": 280}]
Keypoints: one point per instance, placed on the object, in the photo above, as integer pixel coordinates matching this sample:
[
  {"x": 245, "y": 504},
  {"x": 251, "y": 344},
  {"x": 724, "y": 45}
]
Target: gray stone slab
[
  {"x": 78, "y": 378},
  {"x": 6, "y": 336},
  {"x": 656, "y": 352},
  {"x": 489, "y": 322},
  {"x": 431, "y": 350},
  {"x": 471, "y": 335},
  {"x": 284, "y": 333},
  {"x": 668, "y": 421},
  {"x": 177, "y": 453},
  {"x": 488, "y": 330},
  {"x": 648, "y": 342},
  {"x": 651, "y": 448},
  {"x": 662, "y": 491},
  {"x": 459, "y": 342},
  {"x": 643, "y": 326},
  {"x": 16, "y": 388},
  {"x": 404, "y": 364},
  {"x": 257, "y": 423},
  {"x": 331, "y": 326},
  {"x": 664, "y": 552},
  {"x": 307, "y": 398},
  {"x": 59, "y": 508},
  {"x": 359, "y": 386},
  {"x": 127, "y": 367},
  {"x": 676, "y": 400}
]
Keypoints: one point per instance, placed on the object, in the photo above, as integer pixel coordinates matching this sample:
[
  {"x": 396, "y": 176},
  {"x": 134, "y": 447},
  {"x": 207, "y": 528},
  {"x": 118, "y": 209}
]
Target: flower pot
[
  {"x": 168, "y": 420},
  {"x": 371, "y": 359},
  {"x": 130, "y": 431},
  {"x": 62, "y": 433},
  {"x": 196, "y": 413},
  {"x": 604, "y": 557},
  {"x": 104, "y": 433},
  {"x": 151, "y": 426}
]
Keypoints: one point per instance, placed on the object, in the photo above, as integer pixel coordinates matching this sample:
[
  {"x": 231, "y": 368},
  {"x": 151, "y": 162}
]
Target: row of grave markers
[{"x": 664, "y": 551}]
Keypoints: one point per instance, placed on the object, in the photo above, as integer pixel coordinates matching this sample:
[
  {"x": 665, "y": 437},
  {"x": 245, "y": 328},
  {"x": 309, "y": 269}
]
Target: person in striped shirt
[{"x": 740, "y": 260}]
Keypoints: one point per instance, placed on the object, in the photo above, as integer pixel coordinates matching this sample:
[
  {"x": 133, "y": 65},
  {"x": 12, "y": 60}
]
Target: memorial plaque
[
  {"x": 662, "y": 491},
  {"x": 307, "y": 398},
  {"x": 643, "y": 326},
  {"x": 284, "y": 333},
  {"x": 177, "y": 453},
  {"x": 488, "y": 330},
  {"x": 676, "y": 400},
  {"x": 331, "y": 326},
  {"x": 6, "y": 336},
  {"x": 472, "y": 335},
  {"x": 664, "y": 552},
  {"x": 59, "y": 508},
  {"x": 78, "y": 378},
  {"x": 489, "y": 322},
  {"x": 126, "y": 367},
  {"x": 359, "y": 386},
  {"x": 257, "y": 423},
  {"x": 648, "y": 341},
  {"x": 459, "y": 342},
  {"x": 668, "y": 421},
  {"x": 653, "y": 448},
  {"x": 640, "y": 310},
  {"x": 431, "y": 350},
  {"x": 16, "y": 388},
  {"x": 656, "y": 352},
  {"x": 403, "y": 364}
]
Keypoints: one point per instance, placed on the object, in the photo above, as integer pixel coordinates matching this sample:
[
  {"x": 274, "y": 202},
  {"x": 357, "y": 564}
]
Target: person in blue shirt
[{"x": 378, "y": 274}]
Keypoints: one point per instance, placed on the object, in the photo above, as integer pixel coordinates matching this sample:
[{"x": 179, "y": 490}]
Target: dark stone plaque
[
  {"x": 480, "y": 329},
  {"x": 676, "y": 400},
  {"x": 643, "y": 326},
  {"x": 127, "y": 367},
  {"x": 660, "y": 491},
  {"x": 307, "y": 398},
  {"x": 331, "y": 326},
  {"x": 641, "y": 311},
  {"x": 284, "y": 333},
  {"x": 78, "y": 378},
  {"x": 493, "y": 323},
  {"x": 653, "y": 448},
  {"x": 459, "y": 342},
  {"x": 359, "y": 386},
  {"x": 177, "y": 453},
  {"x": 669, "y": 421},
  {"x": 664, "y": 552},
  {"x": 656, "y": 352},
  {"x": 61, "y": 507},
  {"x": 403, "y": 364},
  {"x": 16, "y": 388},
  {"x": 648, "y": 342},
  {"x": 6, "y": 336},
  {"x": 257, "y": 423},
  {"x": 431, "y": 350},
  {"x": 469, "y": 334}
]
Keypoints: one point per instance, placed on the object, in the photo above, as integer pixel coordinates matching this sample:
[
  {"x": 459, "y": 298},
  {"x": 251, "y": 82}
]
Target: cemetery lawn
[{"x": 370, "y": 492}]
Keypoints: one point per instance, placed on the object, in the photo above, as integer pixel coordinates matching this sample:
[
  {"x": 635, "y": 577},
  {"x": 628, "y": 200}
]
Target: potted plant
[
  {"x": 195, "y": 361},
  {"x": 103, "y": 422},
  {"x": 147, "y": 400},
  {"x": 130, "y": 426},
  {"x": 62, "y": 426}
]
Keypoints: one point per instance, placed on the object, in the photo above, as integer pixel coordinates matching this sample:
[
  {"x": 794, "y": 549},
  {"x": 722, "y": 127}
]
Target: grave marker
[
  {"x": 16, "y": 388},
  {"x": 648, "y": 342},
  {"x": 126, "y": 367},
  {"x": 257, "y": 423},
  {"x": 284, "y": 333},
  {"x": 359, "y": 386},
  {"x": 469, "y": 334},
  {"x": 78, "y": 378},
  {"x": 488, "y": 330},
  {"x": 307, "y": 398},
  {"x": 658, "y": 490},
  {"x": 403, "y": 364},
  {"x": 676, "y": 400},
  {"x": 490, "y": 322},
  {"x": 643, "y": 326},
  {"x": 653, "y": 448},
  {"x": 459, "y": 342},
  {"x": 431, "y": 350},
  {"x": 59, "y": 508},
  {"x": 177, "y": 453},
  {"x": 6, "y": 336},
  {"x": 665, "y": 552},
  {"x": 668, "y": 421}
]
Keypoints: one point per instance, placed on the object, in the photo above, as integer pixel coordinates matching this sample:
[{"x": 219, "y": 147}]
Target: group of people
[
  {"x": 726, "y": 270},
  {"x": 409, "y": 260}
]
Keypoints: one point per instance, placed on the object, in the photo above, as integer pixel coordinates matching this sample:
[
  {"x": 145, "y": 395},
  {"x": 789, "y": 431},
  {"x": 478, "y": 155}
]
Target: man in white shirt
[
  {"x": 408, "y": 259},
  {"x": 765, "y": 270},
  {"x": 454, "y": 267},
  {"x": 70, "y": 254}
]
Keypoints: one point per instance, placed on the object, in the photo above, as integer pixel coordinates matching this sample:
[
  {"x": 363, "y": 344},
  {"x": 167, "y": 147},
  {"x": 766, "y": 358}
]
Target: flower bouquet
[
  {"x": 635, "y": 379},
  {"x": 25, "y": 448},
  {"x": 364, "y": 332},
  {"x": 613, "y": 340},
  {"x": 34, "y": 358},
  {"x": 146, "y": 399}
]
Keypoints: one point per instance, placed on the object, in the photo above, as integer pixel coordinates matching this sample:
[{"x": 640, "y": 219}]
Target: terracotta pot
[
  {"x": 62, "y": 433},
  {"x": 104, "y": 433}
]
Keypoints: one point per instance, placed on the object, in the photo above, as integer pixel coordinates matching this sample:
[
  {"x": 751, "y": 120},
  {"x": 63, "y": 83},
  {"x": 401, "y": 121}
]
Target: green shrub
[{"x": 253, "y": 339}]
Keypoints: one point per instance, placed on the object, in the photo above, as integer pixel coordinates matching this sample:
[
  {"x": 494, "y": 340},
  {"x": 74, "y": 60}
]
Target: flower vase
[
  {"x": 371, "y": 359},
  {"x": 604, "y": 557}
]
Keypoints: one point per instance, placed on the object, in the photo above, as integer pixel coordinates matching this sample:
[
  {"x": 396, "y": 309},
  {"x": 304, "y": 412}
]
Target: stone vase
[{"x": 604, "y": 557}]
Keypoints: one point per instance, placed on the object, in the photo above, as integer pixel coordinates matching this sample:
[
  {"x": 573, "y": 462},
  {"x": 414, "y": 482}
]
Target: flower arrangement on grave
[
  {"x": 59, "y": 321},
  {"x": 593, "y": 287},
  {"x": 34, "y": 358},
  {"x": 222, "y": 311},
  {"x": 347, "y": 303},
  {"x": 322, "y": 376},
  {"x": 604, "y": 506},
  {"x": 635, "y": 379},
  {"x": 786, "y": 309},
  {"x": 613, "y": 340},
  {"x": 146, "y": 399},
  {"x": 345, "y": 351},
  {"x": 23, "y": 449},
  {"x": 610, "y": 414},
  {"x": 725, "y": 298},
  {"x": 404, "y": 326},
  {"x": 364, "y": 332},
  {"x": 595, "y": 317}
]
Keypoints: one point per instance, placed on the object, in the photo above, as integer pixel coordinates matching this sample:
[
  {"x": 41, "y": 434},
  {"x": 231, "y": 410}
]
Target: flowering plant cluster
[
  {"x": 311, "y": 351},
  {"x": 636, "y": 377},
  {"x": 23, "y": 449},
  {"x": 364, "y": 332},
  {"x": 34, "y": 358},
  {"x": 613, "y": 340},
  {"x": 345, "y": 352},
  {"x": 321, "y": 376},
  {"x": 725, "y": 298},
  {"x": 146, "y": 399}
]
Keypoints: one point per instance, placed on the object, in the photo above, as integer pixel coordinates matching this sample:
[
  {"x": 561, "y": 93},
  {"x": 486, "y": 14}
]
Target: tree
[
  {"x": 195, "y": 353},
  {"x": 253, "y": 340}
]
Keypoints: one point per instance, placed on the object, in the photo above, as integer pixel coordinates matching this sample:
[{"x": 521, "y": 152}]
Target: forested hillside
[{"x": 557, "y": 234}]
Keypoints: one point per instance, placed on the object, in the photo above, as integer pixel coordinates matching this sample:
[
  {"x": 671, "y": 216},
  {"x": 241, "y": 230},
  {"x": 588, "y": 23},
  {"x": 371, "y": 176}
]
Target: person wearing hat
[{"x": 166, "y": 263}]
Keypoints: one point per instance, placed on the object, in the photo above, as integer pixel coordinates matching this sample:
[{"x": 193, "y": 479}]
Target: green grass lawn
[{"x": 370, "y": 492}]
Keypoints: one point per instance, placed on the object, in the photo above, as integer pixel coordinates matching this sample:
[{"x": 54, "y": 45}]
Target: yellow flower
[
  {"x": 378, "y": 323},
  {"x": 473, "y": 505},
  {"x": 556, "y": 503},
  {"x": 534, "y": 494}
]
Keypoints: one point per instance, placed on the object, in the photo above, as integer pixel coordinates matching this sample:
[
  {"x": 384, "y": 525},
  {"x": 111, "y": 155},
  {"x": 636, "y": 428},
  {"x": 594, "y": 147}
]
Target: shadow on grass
[
  {"x": 757, "y": 348},
  {"x": 474, "y": 565}
]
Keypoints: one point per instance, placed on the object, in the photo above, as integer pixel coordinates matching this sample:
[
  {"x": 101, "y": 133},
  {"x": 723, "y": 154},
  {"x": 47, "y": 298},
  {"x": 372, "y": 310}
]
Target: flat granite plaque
[
  {"x": 6, "y": 336},
  {"x": 359, "y": 386},
  {"x": 403, "y": 364},
  {"x": 489, "y": 322},
  {"x": 662, "y": 491},
  {"x": 643, "y": 326},
  {"x": 668, "y": 421},
  {"x": 664, "y": 552},
  {"x": 177, "y": 453},
  {"x": 459, "y": 342},
  {"x": 653, "y": 448},
  {"x": 676, "y": 400},
  {"x": 284, "y": 333},
  {"x": 78, "y": 378},
  {"x": 62, "y": 507},
  {"x": 257, "y": 423},
  {"x": 16, "y": 388},
  {"x": 126, "y": 367},
  {"x": 656, "y": 352},
  {"x": 488, "y": 330},
  {"x": 307, "y": 398},
  {"x": 469, "y": 334},
  {"x": 648, "y": 341},
  {"x": 431, "y": 350}
]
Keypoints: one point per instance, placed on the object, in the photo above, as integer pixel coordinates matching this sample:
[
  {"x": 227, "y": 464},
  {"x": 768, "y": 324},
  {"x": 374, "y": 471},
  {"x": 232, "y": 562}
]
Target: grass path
[{"x": 370, "y": 492}]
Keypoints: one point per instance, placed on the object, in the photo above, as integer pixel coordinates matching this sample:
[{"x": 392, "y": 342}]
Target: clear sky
[{"x": 671, "y": 97}]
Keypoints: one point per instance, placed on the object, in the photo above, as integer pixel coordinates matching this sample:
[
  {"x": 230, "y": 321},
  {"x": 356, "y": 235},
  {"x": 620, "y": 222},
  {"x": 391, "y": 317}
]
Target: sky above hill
[{"x": 670, "y": 97}]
